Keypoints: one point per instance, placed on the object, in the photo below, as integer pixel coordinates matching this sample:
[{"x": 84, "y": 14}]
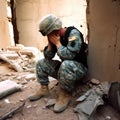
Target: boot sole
[{"x": 62, "y": 108}]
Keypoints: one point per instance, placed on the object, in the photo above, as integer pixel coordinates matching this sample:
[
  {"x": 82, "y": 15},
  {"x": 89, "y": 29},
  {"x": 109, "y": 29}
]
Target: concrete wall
[
  {"x": 4, "y": 31},
  {"x": 104, "y": 39},
  {"x": 29, "y": 13},
  {"x": 103, "y": 18}
]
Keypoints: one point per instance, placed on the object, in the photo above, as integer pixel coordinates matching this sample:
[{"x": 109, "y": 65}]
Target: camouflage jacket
[{"x": 69, "y": 49}]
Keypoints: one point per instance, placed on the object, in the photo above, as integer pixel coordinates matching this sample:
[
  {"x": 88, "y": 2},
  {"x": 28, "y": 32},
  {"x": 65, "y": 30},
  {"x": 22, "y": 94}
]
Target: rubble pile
[
  {"x": 20, "y": 62},
  {"x": 20, "y": 58}
]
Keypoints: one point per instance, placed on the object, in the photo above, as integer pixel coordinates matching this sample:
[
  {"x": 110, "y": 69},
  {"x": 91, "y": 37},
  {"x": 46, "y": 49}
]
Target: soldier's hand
[
  {"x": 50, "y": 45},
  {"x": 55, "y": 39}
]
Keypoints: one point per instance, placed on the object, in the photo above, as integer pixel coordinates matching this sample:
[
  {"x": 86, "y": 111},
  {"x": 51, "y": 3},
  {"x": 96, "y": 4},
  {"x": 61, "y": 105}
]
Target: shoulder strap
[
  {"x": 64, "y": 40},
  {"x": 69, "y": 29},
  {"x": 82, "y": 56}
]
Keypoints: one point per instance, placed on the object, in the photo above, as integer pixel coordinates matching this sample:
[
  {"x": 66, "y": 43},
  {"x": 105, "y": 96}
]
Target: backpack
[{"x": 82, "y": 56}]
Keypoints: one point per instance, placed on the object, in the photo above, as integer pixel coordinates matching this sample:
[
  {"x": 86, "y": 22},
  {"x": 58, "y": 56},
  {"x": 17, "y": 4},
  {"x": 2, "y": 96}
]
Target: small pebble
[
  {"x": 95, "y": 81},
  {"x": 107, "y": 118}
]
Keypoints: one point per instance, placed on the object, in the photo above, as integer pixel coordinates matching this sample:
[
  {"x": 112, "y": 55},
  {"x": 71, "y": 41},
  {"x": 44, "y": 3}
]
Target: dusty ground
[
  {"x": 37, "y": 110},
  {"x": 31, "y": 110}
]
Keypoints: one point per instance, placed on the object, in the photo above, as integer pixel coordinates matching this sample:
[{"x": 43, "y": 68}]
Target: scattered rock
[
  {"x": 95, "y": 81},
  {"x": 8, "y": 87},
  {"x": 30, "y": 76}
]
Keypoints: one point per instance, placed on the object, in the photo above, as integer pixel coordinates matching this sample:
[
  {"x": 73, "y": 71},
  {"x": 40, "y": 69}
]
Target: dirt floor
[
  {"x": 31, "y": 110},
  {"x": 37, "y": 110}
]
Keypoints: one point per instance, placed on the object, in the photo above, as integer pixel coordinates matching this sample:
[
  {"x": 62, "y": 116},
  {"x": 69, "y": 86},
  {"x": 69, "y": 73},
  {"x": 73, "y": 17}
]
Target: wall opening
[
  {"x": 11, "y": 14},
  {"x": 29, "y": 13},
  {"x": 13, "y": 11},
  {"x": 10, "y": 26}
]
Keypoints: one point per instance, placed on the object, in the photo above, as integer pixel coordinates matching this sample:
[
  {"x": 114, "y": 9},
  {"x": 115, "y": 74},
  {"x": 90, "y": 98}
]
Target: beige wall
[
  {"x": 103, "y": 18},
  {"x": 104, "y": 39},
  {"x": 4, "y": 32},
  {"x": 29, "y": 13}
]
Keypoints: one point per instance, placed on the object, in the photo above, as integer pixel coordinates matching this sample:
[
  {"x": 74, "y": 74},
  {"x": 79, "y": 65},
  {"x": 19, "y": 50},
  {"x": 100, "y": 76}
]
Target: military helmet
[{"x": 49, "y": 23}]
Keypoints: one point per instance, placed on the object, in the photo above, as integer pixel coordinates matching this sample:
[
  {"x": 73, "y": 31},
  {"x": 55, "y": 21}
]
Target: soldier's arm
[
  {"x": 72, "y": 48},
  {"x": 49, "y": 51}
]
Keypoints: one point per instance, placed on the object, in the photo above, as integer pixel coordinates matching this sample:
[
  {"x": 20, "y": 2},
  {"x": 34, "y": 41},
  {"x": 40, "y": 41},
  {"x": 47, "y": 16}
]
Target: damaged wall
[
  {"x": 104, "y": 29},
  {"x": 4, "y": 31},
  {"x": 104, "y": 39},
  {"x": 29, "y": 13}
]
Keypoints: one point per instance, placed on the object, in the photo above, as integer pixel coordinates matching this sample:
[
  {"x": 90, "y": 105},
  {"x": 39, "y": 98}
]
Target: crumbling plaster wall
[
  {"x": 4, "y": 31},
  {"x": 29, "y": 13},
  {"x": 104, "y": 39},
  {"x": 103, "y": 18}
]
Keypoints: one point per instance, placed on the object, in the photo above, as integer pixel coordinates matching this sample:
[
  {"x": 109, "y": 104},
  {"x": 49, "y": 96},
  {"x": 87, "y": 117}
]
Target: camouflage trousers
[{"x": 66, "y": 72}]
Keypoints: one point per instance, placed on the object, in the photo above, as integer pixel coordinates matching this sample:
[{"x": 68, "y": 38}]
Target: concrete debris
[
  {"x": 23, "y": 59},
  {"x": 89, "y": 102},
  {"x": 13, "y": 64},
  {"x": 11, "y": 55},
  {"x": 13, "y": 48},
  {"x": 30, "y": 77},
  {"x": 82, "y": 116},
  {"x": 8, "y": 87},
  {"x": 6, "y": 101},
  {"x": 30, "y": 51},
  {"x": 20, "y": 57},
  {"x": 89, "y": 105},
  {"x": 107, "y": 118},
  {"x": 29, "y": 106},
  {"x": 23, "y": 82},
  {"x": 95, "y": 81}
]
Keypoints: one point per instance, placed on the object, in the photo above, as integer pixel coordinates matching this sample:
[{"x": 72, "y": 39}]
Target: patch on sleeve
[{"x": 72, "y": 38}]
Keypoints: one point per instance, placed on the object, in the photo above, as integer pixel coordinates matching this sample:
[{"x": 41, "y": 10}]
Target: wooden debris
[{"x": 8, "y": 110}]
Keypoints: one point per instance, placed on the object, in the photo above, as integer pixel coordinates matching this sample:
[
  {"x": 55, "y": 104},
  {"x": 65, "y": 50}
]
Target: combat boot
[
  {"x": 62, "y": 102},
  {"x": 43, "y": 91}
]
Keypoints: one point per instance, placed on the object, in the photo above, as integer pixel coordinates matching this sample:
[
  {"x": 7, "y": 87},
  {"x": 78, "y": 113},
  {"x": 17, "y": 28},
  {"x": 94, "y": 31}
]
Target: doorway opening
[
  {"x": 74, "y": 14},
  {"x": 11, "y": 15}
]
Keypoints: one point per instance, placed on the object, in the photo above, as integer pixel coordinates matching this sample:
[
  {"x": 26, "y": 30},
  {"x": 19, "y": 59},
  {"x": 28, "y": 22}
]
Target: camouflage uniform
[{"x": 68, "y": 70}]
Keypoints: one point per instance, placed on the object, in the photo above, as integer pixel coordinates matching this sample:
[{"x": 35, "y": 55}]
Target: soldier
[{"x": 67, "y": 43}]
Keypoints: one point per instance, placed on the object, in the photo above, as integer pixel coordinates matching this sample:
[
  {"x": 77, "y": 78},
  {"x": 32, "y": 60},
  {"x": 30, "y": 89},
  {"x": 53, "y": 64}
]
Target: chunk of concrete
[{"x": 8, "y": 87}]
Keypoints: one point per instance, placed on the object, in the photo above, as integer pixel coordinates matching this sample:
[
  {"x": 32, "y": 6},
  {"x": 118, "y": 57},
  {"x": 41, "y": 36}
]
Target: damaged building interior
[{"x": 21, "y": 45}]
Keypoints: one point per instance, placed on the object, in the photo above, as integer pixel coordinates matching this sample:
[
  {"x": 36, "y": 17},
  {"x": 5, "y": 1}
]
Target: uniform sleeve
[
  {"x": 73, "y": 47},
  {"x": 49, "y": 54}
]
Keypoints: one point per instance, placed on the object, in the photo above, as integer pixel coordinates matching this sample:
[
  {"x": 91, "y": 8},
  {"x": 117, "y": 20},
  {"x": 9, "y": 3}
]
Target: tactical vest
[{"x": 82, "y": 55}]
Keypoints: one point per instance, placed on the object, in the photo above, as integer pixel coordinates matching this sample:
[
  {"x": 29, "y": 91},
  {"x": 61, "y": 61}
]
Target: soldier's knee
[
  {"x": 39, "y": 62},
  {"x": 65, "y": 64}
]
